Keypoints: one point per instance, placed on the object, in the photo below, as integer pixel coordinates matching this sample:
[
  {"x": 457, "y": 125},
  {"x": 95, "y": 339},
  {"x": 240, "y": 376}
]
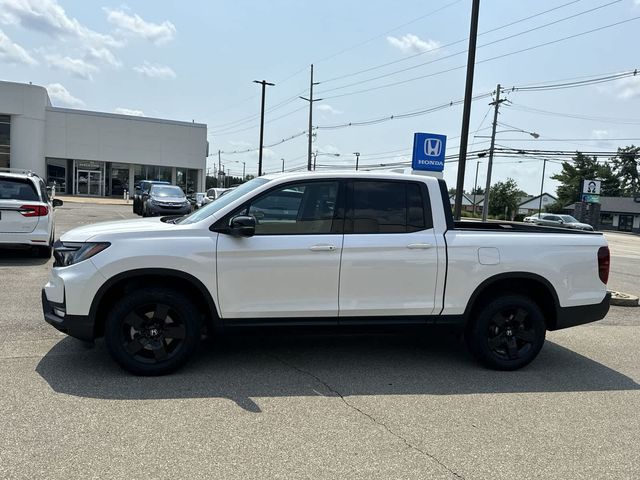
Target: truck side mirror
[{"x": 242, "y": 226}]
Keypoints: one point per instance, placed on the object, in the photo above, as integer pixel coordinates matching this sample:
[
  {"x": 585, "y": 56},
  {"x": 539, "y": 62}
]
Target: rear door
[
  {"x": 18, "y": 197},
  {"x": 389, "y": 255}
]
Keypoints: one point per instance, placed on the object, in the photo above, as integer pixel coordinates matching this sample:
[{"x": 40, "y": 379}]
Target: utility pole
[
  {"x": 244, "y": 168},
  {"x": 357, "y": 154},
  {"x": 496, "y": 103},
  {"x": 282, "y": 164},
  {"x": 310, "y": 131},
  {"x": 475, "y": 188},
  {"x": 466, "y": 113},
  {"x": 219, "y": 170},
  {"x": 315, "y": 157},
  {"x": 264, "y": 84},
  {"x": 544, "y": 166}
]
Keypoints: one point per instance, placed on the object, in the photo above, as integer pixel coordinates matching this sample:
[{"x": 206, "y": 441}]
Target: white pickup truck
[{"x": 323, "y": 249}]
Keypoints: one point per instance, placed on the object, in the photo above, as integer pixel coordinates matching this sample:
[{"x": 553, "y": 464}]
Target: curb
[{"x": 623, "y": 299}]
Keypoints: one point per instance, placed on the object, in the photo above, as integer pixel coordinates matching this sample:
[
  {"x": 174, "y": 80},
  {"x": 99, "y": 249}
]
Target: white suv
[{"x": 26, "y": 212}]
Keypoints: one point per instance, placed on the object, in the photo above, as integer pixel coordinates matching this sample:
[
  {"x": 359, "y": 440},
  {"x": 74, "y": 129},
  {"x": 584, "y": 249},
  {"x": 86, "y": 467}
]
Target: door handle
[
  {"x": 322, "y": 248},
  {"x": 419, "y": 246}
]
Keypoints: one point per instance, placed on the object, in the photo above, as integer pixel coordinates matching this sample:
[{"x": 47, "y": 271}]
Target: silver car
[{"x": 564, "y": 221}]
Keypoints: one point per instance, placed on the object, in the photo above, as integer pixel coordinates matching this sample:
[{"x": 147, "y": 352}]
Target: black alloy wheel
[
  {"x": 153, "y": 331},
  {"x": 508, "y": 332}
]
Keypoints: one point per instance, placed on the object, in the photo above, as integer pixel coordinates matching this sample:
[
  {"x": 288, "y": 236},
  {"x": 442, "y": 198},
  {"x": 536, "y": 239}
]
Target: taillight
[
  {"x": 604, "y": 262},
  {"x": 34, "y": 210}
]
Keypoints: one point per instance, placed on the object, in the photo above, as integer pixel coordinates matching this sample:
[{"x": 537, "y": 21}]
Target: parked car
[
  {"x": 563, "y": 221},
  {"x": 361, "y": 250},
  {"x": 141, "y": 189},
  {"x": 165, "y": 200},
  {"x": 212, "y": 194},
  {"x": 26, "y": 212}
]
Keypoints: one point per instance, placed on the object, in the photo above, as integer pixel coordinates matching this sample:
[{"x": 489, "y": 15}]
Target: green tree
[
  {"x": 626, "y": 165},
  {"x": 584, "y": 167},
  {"x": 503, "y": 197},
  {"x": 477, "y": 191}
]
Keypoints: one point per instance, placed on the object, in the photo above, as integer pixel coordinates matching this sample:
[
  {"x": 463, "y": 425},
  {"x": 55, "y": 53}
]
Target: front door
[
  {"x": 389, "y": 255},
  {"x": 625, "y": 223},
  {"x": 291, "y": 266}
]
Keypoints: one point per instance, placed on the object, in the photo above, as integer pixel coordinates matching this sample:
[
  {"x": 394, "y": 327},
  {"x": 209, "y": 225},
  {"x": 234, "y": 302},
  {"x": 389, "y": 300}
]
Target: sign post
[
  {"x": 591, "y": 191},
  {"x": 428, "y": 154}
]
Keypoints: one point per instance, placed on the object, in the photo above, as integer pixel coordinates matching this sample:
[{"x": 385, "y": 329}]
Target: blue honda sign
[{"x": 428, "y": 152}]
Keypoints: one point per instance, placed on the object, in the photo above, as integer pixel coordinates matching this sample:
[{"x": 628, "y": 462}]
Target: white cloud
[
  {"x": 411, "y": 43},
  {"x": 324, "y": 107},
  {"x": 155, "y": 70},
  {"x": 629, "y": 87},
  {"x": 599, "y": 134},
  {"x": 48, "y": 17},
  {"x": 13, "y": 53},
  {"x": 157, "y": 33},
  {"x": 103, "y": 55},
  {"x": 59, "y": 93},
  {"x": 129, "y": 111},
  {"x": 75, "y": 66}
]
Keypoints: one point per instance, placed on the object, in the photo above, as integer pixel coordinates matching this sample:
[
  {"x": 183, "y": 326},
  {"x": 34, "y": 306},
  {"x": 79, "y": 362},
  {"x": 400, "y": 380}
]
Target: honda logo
[{"x": 432, "y": 147}]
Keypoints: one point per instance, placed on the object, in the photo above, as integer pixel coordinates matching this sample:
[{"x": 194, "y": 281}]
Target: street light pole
[
  {"x": 264, "y": 84},
  {"x": 544, "y": 166},
  {"x": 282, "y": 164},
  {"x": 466, "y": 113},
  {"x": 315, "y": 157},
  {"x": 357, "y": 154}
]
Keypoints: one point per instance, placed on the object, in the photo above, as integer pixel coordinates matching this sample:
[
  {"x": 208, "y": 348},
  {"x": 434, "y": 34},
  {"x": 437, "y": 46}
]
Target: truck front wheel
[
  {"x": 152, "y": 331},
  {"x": 507, "y": 333}
]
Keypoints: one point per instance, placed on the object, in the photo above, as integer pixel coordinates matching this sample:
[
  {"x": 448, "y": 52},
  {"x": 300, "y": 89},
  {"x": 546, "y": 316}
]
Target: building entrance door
[
  {"x": 89, "y": 182},
  {"x": 625, "y": 223}
]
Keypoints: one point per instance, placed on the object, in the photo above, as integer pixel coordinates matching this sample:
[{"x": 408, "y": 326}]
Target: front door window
[{"x": 89, "y": 182}]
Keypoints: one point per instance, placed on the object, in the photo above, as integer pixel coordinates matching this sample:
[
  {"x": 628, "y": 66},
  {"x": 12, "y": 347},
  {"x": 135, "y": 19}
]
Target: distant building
[
  {"x": 96, "y": 153},
  {"x": 529, "y": 205},
  {"x": 617, "y": 213}
]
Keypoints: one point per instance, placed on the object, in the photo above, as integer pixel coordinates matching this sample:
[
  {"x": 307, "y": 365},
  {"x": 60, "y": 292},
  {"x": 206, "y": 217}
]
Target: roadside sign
[
  {"x": 428, "y": 152},
  {"x": 589, "y": 198},
  {"x": 591, "y": 187}
]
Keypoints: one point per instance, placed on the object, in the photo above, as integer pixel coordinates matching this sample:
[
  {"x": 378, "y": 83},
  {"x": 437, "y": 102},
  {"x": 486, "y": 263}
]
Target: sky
[{"x": 373, "y": 59}]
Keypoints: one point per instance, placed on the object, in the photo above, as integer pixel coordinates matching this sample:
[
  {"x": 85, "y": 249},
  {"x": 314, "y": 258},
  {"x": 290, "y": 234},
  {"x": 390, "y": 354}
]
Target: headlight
[{"x": 70, "y": 253}]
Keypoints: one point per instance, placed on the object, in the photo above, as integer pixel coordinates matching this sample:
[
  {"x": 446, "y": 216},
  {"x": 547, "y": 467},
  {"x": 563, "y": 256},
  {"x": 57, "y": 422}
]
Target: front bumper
[
  {"x": 78, "y": 326},
  {"x": 572, "y": 316},
  {"x": 162, "y": 210}
]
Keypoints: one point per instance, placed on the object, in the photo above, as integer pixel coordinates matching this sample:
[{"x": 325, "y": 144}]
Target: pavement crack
[{"x": 369, "y": 416}]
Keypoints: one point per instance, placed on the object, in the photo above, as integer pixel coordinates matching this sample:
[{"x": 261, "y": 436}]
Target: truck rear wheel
[
  {"x": 507, "y": 333},
  {"x": 152, "y": 331}
]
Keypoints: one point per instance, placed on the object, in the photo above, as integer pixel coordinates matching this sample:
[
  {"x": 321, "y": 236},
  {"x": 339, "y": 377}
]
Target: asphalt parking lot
[{"x": 316, "y": 407}]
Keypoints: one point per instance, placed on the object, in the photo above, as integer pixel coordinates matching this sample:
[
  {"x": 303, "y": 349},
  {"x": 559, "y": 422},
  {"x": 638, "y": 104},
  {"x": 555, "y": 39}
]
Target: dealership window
[
  {"x": 192, "y": 181},
  {"x": 606, "y": 218},
  {"x": 5, "y": 140},
  {"x": 119, "y": 178},
  {"x": 57, "y": 175}
]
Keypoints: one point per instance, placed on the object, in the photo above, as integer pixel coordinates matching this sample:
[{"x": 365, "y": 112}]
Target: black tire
[
  {"x": 145, "y": 212},
  {"x": 507, "y": 333},
  {"x": 152, "y": 331}
]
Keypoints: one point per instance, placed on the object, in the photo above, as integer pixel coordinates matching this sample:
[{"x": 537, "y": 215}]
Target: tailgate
[{"x": 12, "y": 219}]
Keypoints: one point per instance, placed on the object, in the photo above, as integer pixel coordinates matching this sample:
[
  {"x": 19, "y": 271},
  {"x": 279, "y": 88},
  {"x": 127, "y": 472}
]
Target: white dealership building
[{"x": 96, "y": 153}]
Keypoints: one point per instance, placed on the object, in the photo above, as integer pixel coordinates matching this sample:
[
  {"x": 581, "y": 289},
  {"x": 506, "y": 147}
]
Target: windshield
[
  {"x": 166, "y": 191},
  {"x": 568, "y": 219},
  {"x": 223, "y": 200}
]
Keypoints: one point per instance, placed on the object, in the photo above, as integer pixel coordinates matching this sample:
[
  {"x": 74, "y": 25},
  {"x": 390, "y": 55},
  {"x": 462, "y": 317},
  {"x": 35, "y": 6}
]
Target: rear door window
[
  {"x": 387, "y": 207},
  {"x": 18, "y": 189}
]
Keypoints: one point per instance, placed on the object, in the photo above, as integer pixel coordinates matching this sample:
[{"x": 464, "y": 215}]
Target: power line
[
  {"x": 439, "y": 47},
  {"x": 490, "y": 59},
  {"x": 421, "y": 17},
  {"x": 577, "y": 116},
  {"x": 395, "y": 72}
]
